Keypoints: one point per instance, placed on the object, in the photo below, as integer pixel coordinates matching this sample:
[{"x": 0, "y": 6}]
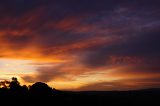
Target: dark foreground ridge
[{"x": 40, "y": 94}]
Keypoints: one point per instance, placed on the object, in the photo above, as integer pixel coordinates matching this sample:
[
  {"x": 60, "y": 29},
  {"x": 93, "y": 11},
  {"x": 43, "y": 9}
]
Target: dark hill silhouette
[{"x": 40, "y": 94}]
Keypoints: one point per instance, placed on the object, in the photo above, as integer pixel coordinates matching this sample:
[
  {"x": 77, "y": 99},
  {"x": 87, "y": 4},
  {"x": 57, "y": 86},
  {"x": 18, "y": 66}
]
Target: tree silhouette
[
  {"x": 40, "y": 94},
  {"x": 14, "y": 84},
  {"x": 4, "y": 84},
  {"x": 40, "y": 88}
]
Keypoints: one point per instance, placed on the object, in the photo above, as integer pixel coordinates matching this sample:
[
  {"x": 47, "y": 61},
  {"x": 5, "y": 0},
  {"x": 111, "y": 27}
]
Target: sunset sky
[{"x": 81, "y": 44}]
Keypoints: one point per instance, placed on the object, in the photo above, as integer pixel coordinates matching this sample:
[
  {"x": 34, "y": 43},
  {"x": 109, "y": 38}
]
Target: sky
[{"x": 81, "y": 45}]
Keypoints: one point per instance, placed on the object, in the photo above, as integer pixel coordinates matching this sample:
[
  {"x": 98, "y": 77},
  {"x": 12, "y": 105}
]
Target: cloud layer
[{"x": 79, "y": 37}]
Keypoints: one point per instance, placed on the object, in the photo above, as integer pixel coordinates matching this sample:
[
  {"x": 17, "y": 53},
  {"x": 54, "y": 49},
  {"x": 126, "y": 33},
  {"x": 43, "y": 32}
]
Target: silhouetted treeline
[{"x": 40, "y": 94}]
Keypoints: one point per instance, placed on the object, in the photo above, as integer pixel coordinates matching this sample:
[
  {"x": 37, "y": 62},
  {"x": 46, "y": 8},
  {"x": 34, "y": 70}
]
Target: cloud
[
  {"x": 142, "y": 48},
  {"x": 45, "y": 74},
  {"x": 81, "y": 36},
  {"x": 105, "y": 86},
  {"x": 131, "y": 84}
]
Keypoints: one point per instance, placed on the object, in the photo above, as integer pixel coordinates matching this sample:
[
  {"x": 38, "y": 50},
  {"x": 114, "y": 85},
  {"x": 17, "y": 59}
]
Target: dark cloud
[
  {"x": 45, "y": 74},
  {"x": 144, "y": 45}
]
